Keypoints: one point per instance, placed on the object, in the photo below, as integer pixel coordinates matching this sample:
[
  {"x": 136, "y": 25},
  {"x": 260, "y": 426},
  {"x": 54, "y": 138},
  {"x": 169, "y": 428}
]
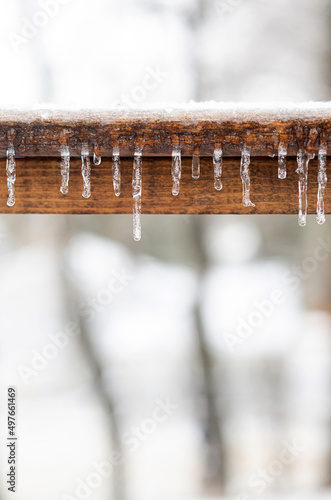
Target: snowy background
[{"x": 197, "y": 363}]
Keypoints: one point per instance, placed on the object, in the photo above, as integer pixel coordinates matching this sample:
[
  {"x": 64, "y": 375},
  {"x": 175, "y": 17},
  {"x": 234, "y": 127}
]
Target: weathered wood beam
[
  {"x": 38, "y": 188},
  {"x": 199, "y": 128}
]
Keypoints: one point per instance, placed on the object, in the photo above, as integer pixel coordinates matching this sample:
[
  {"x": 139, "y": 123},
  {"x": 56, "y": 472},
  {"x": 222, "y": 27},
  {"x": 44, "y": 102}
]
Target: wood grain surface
[{"x": 38, "y": 188}]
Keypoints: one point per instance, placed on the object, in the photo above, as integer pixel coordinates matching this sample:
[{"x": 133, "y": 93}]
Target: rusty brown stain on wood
[
  {"x": 39, "y": 180},
  {"x": 41, "y": 133}
]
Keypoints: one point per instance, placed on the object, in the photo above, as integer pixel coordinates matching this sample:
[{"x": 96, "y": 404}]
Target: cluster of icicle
[
  {"x": 302, "y": 170},
  {"x": 176, "y": 171}
]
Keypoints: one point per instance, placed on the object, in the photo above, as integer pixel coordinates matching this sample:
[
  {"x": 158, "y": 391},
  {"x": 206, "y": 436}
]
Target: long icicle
[
  {"x": 245, "y": 176},
  {"x": 116, "y": 171},
  {"x": 65, "y": 169},
  {"x": 218, "y": 165},
  {"x": 136, "y": 192},
  {"x": 302, "y": 171},
  {"x": 176, "y": 169},
  {"x": 11, "y": 175},
  {"x": 322, "y": 181},
  {"x": 86, "y": 170},
  {"x": 282, "y": 152}
]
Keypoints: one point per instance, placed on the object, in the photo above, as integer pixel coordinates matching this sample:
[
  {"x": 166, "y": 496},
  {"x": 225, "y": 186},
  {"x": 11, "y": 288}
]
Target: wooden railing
[{"x": 39, "y": 136}]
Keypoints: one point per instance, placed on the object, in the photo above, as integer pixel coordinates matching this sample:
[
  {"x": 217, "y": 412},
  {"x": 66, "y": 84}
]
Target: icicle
[
  {"x": 282, "y": 152},
  {"x": 218, "y": 163},
  {"x": 11, "y": 175},
  {"x": 117, "y": 171},
  {"x": 196, "y": 166},
  {"x": 86, "y": 170},
  {"x": 322, "y": 180},
  {"x": 65, "y": 169},
  {"x": 136, "y": 192},
  {"x": 176, "y": 169},
  {"x": 96, "y": 158},
  {"x": 245, "y": 177},
  {"x": 302, "y": 171}
]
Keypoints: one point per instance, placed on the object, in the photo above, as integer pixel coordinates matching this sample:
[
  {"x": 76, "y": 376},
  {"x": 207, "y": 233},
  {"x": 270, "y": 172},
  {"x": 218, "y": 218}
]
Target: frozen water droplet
[
  {"x": 176, "y": 169},
  {"x": 96, "y": 158},
  {"x": 245, "y": 177},
  {"x": 218, "y": 164},
  {"x": 86, "y": 170},
  {"x": 136, "y": 192},
  {"x": 302, "y": 171},
  {"x": 65, "y": 169},
  {"x": 196, "y": 166},
  {"x": 117, "y": 171},
  {"x": 282, "y": 152},
  {"x": 322, "y": 180},
  {"x": 11, "y": 175}
]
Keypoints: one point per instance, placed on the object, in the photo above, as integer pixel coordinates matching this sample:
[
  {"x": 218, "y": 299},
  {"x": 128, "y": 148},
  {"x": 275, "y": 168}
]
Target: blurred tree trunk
[
  {"x": 38, "y": 57},
  {"x": 105, "y": 396},
  {"x": 72, "y": 299},
  {"x": 195, "y": 19},
  {"x": 215, "y": 456}
]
